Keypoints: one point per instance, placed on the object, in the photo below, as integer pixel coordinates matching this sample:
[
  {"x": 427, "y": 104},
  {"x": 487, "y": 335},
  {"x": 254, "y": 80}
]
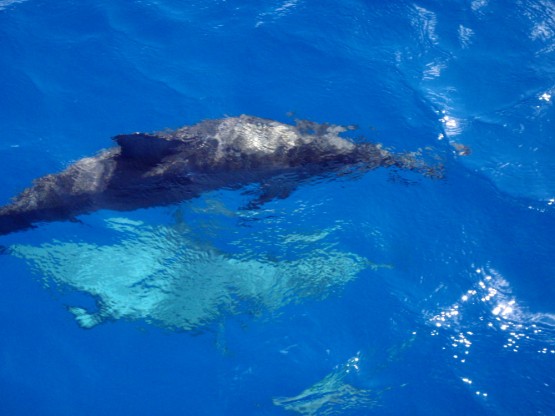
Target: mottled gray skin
[{"x": 168, "y": 167}]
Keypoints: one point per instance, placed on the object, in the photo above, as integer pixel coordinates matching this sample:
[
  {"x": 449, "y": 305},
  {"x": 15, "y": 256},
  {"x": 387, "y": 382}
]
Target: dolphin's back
[{"x": 167, "y": 167}]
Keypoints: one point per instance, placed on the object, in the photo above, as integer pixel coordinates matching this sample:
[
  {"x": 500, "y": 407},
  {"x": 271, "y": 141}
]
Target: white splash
[
  {"x": 282, "y": 10},
  {"x": 465, "y": 36},
  {"x": 476, "y": 5},
  {"x": 545, "y": 97},
  {"x": 5, "y": 3},
  {"x": 425, "y": 22},
  {"x": 489, "y": 306}
]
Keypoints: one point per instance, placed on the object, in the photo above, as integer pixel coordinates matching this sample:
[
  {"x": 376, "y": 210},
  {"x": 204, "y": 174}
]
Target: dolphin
[{"x": 168, "y": 167}]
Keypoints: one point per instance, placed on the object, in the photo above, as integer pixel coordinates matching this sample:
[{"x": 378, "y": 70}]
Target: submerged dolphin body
[{"x": 168, "y": 167}]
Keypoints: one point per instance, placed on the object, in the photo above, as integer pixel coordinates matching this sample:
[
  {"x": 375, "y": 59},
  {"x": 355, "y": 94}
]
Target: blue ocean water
[{"x": 386, "y": 294}]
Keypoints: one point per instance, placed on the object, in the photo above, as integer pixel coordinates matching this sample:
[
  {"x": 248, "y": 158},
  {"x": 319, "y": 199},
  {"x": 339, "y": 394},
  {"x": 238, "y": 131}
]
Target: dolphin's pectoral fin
[
  {"x": 270, "y": 190},
  {"x": 145, "y": 148}
]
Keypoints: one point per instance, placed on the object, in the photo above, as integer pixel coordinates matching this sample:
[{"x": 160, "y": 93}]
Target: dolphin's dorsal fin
[{"x": 145, "y": 148}]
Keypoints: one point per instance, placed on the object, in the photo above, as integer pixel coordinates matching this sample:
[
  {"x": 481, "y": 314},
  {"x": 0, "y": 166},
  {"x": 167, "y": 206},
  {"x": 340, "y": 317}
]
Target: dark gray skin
[{"x": 168, "y": 167}]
